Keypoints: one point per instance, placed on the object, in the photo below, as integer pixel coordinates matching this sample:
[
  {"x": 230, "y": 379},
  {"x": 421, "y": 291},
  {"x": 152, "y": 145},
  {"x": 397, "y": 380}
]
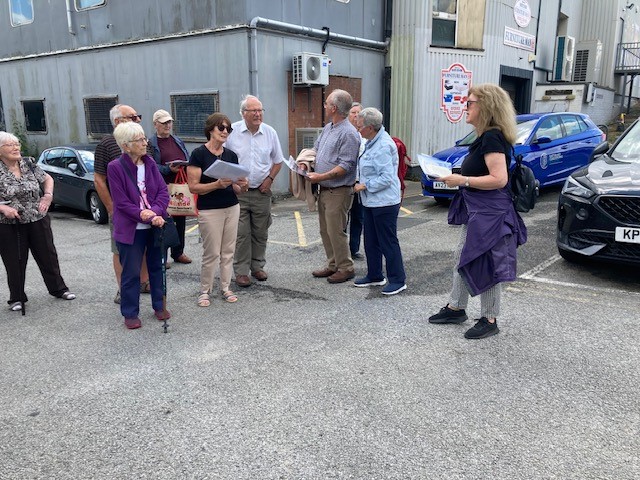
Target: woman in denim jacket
[{"x": 379, "y": 190}]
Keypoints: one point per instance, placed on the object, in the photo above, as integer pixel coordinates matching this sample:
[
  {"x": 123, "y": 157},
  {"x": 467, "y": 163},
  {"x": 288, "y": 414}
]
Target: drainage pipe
[{"x": 70, "y": 18}]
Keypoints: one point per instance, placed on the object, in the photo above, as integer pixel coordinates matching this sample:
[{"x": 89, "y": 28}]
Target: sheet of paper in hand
[
  {"x": 294, "y": 167},
  {"x": 432, "y": 167},
  {"x": 222, "y": 169}
]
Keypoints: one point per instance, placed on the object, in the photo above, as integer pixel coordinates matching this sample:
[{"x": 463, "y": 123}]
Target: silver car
[{"x": 71, "y": 167}]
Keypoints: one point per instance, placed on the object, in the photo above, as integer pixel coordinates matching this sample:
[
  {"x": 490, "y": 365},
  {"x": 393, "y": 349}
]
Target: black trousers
[{"x": 16, "y": 240}]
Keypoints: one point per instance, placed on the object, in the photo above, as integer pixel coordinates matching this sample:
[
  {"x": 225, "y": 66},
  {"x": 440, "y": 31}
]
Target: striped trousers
[{"x": 489, "y": 299}]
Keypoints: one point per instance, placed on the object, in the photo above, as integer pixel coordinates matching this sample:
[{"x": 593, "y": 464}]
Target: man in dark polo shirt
[
  {"x": 335, "y": 172},
  {"x": 106, "y": 151}
]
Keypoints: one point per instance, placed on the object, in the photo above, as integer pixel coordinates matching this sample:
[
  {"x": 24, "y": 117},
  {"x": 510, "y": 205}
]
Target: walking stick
[
  {"x": 165, "y": 325},
  {"x": 23, "y": 306}
]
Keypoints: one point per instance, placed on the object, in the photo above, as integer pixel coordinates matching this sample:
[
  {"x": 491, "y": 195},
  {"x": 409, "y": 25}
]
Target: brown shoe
[
  {"x": 341, "y": 276},
  {"x": 243, "y": 280},
  {"x": 183, "y": 259},
  {"x": 323, "y": 272},
  {"x": 260, "y": 275}
]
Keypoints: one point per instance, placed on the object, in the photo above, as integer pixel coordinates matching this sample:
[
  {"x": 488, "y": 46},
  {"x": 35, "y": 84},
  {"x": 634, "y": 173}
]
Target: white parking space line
[{"x": 532, "y": 275}]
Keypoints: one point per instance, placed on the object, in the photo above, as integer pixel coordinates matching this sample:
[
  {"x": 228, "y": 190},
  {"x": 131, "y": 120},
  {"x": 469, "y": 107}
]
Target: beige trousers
[
  {"x": 219, "y": 229},
  {"x": 333, "y": 211}
]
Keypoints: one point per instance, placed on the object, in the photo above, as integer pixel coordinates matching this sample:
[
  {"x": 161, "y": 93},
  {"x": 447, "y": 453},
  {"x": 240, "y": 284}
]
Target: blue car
[{"x": 553, "y": 145}]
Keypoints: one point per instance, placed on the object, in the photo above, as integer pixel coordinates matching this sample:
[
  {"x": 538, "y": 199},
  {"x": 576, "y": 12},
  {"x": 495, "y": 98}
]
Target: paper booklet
[
  {"x": 432, "y": 167},
  {"x": 294, "y": 167},
  {"x": 222, "y": 169}
]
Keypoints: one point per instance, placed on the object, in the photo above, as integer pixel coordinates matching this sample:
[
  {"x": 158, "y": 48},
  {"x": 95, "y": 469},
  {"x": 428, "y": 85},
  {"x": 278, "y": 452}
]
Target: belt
[
  {"x": 329, "y": 189},
  {"x": 254, "y": 189}
]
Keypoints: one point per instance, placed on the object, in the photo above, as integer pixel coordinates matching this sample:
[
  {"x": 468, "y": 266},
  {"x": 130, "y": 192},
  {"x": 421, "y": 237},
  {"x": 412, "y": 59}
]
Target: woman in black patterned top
[{"x": 24, "y": 223}]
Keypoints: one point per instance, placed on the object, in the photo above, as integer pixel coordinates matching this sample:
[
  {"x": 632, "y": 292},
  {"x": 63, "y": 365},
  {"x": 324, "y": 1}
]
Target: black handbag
[{"x": 167, "y": 235}]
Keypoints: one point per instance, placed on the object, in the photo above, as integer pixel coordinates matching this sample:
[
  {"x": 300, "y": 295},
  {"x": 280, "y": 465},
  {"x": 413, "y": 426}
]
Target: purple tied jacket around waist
[{"x": 494, "y": 231}]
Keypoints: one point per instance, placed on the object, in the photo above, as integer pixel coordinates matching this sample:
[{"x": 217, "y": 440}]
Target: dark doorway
[{"x": 517, "y": 83}]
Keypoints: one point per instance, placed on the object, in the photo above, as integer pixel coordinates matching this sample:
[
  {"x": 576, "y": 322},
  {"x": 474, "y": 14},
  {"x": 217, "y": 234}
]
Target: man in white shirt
[{"x": 258, "y": 148}]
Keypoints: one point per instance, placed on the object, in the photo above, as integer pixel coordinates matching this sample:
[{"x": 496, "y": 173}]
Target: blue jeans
[
  {"x": 131, "y": 261},
  {"x": 381, "y": 238}
]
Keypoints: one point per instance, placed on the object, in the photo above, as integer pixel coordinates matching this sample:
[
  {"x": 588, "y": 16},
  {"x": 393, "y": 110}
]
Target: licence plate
[
  {"x": 627, "y": 234},
  {"x": 443, "y": 186}
]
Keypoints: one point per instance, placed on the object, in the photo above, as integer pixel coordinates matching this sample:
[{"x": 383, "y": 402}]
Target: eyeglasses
[
  {"x": 140, "y": 140},
  {"x": 471, "y": 102},
  {"x": 11, "y": 145},
  {"x": 222, "y": 128},
  {"x": 255, "y": 111},
  {"x": 133, "y": 118},
  {"x": 166, "y": 123}
]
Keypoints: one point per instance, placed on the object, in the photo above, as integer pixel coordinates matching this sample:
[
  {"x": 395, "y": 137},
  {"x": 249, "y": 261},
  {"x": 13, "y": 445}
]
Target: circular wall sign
[{"x": 522, "y": 13}]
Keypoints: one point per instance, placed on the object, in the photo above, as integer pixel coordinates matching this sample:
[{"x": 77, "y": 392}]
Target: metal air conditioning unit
[
  {"x": 588, "y": 62},
  {"x": 310, "y": 69},
  {"x": 563, "y": 59}
]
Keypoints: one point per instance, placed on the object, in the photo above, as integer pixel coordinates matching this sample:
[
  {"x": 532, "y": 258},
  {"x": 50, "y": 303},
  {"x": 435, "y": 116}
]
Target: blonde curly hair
[{"x": 496, "y": 111}]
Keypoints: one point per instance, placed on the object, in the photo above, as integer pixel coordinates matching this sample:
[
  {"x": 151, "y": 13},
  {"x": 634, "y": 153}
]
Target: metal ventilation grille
[
  {"x": 297, "y": 69},
  {"x": 625, "y": 209},
  {"x": 580, "y": 66}
]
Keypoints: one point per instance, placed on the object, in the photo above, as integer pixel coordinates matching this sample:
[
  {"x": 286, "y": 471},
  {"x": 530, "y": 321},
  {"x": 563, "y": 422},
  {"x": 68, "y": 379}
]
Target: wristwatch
[{"x": 466, "y": 182}]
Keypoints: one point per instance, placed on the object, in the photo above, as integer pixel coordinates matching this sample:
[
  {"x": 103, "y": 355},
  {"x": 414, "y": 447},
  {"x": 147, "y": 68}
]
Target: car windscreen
[
  {"x": 87, "y": 158},
  {"x": 524, "y": 130},
  {"x": 628, "y": 150}
]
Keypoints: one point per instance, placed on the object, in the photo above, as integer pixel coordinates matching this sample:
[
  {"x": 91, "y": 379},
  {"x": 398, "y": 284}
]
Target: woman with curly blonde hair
[{"x": 491, "y": 227}]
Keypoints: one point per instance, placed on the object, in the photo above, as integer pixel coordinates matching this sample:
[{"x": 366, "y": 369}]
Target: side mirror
[
  {"x": 599, "y": 150},
  {"x": 543, "y": 139}
]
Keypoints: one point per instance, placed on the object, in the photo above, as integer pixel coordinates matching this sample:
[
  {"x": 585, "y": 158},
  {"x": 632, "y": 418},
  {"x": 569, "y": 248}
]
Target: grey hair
[
  {"x": 245, "y": 99},
  {"x": 372, "y": 117},
  {"x": 6, "y": 137},
  {"x": 343, "y": 101},
  {"x": 115, "y": 113},
  {"x": 356, "y": 104},
  {"x": 126, "y": 132}
]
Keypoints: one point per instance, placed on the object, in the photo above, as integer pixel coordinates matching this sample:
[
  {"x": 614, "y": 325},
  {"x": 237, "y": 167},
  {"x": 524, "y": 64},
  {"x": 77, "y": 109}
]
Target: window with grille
[
  {"x": 34, "y": 119},
  {"x": 85, "y": 4},
  {"x": 21, "y": 12},
  {"x": 190, "y": 112},
  {"x": 96, "y": 114}
]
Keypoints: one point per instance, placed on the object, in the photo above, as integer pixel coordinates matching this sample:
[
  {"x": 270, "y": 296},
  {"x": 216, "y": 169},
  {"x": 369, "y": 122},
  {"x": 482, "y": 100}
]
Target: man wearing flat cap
[{"x": 165, "y": 147}]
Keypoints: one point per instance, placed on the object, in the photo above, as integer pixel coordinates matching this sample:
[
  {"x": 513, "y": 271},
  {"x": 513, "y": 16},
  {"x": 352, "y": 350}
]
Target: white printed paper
[
  {"x": 432, "y": 167},
  {"x": 231, "y": 171}
]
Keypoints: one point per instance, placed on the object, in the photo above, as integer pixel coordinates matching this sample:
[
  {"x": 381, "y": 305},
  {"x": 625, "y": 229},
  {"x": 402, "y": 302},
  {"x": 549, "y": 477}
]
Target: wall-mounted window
[
  {"x": 458, "y": 23},
  {"x": 190, "y": 112},
  {"x": 21, "y": 12},
  {"x": 96, "y": 114},
  {"x": 34, "y": 119},
  {"x": 86, "y": 4}
]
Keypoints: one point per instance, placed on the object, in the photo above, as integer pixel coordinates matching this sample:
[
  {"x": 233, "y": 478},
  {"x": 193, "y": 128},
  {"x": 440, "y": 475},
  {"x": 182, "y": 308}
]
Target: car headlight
[{"x": 573, "y": 187}]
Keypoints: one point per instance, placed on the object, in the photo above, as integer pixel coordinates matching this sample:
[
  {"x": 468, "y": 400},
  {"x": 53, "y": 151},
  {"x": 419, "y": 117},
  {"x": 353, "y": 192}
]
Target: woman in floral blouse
[{"x": 24, "y": 223}]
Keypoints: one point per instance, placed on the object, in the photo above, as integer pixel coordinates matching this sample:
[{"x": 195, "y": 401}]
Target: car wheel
[
  {"x": 572, "y": 257},
  {"x": 442, "y": 201},
  {"x": 97, "y": 209}
]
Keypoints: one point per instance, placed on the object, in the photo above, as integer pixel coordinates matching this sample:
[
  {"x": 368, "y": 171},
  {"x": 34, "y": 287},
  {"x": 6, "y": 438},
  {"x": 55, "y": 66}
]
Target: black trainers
[
  {"x": 448, "y": 315},
  {"x": 482, "y": 329}
]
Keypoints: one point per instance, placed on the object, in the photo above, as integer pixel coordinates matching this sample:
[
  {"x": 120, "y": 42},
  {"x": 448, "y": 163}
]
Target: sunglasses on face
[
  {"x": 133, "y": 118},
  {"x": 222, "y": 128}
]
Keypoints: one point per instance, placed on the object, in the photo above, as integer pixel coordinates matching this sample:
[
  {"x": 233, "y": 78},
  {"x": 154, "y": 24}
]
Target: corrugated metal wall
[{"x": 416, "y": 115}]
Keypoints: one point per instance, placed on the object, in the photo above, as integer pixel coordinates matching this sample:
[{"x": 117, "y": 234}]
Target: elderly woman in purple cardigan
[{"x": 140, "y": 200}]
